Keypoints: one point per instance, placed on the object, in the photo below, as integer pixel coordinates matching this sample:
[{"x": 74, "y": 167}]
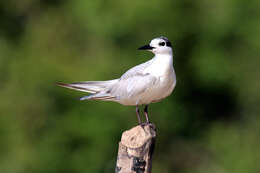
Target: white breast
[
  {"x": 161, "y": 65},
  {"x": 162, "y": 68}
]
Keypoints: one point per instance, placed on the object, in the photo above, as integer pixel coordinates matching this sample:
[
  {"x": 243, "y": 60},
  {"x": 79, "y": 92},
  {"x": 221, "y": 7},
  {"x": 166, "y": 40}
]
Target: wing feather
[
  {"x": 133, "y": 86},
  {"x": 137, "y": 70}
]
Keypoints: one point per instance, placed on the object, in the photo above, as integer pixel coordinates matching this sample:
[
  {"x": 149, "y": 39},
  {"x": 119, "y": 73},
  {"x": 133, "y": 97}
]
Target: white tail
[{"x": 89, "y": 86}]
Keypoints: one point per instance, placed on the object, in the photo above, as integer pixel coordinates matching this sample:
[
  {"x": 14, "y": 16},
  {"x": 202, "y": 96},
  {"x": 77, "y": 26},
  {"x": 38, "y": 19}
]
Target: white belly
[
  {"x": 155, "y": 93},
  {"x": 158, "y": 92},
  {"x": 162, "y": 69}
]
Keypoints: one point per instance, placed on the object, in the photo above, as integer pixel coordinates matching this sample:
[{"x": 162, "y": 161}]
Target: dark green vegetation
[{"x": 210, "y": 123}]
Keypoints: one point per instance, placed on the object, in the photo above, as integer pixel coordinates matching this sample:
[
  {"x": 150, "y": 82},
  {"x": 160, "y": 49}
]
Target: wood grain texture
[{"x": 135, "y": 150}]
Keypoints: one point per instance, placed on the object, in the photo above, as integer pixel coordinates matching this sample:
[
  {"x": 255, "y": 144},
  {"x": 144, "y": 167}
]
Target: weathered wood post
[{"x": 136, "y": 149}]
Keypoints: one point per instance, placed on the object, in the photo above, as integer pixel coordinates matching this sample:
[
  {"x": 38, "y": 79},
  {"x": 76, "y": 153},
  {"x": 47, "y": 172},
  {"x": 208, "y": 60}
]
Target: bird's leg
[
  {"x": 146, "y": 114},
  {"x": 138, "y": 115}
]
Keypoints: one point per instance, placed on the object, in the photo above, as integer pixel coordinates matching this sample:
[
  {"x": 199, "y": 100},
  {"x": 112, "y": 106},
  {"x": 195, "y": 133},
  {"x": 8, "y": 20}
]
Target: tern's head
[{"x": 160, "y": 45}]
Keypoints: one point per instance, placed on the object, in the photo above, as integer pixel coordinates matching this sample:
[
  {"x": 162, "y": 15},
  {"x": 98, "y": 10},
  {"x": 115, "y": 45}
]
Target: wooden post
[{"x": 135, "y": 150}]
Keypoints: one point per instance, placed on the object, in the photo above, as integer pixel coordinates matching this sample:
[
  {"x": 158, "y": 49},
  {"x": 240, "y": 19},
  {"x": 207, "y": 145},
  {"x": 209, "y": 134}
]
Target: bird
[{"x": 143, "y": 84}]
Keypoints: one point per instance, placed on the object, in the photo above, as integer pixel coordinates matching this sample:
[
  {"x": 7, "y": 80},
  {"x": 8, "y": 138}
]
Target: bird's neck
[
  {"x": 163, "y": 59},
  {"x": 161, "y": 64}
]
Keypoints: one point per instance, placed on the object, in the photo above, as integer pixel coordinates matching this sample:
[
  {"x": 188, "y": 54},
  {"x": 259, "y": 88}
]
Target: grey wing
[
  {"x": 133, "y": 86},
  {"x": 137, "y": 70}
]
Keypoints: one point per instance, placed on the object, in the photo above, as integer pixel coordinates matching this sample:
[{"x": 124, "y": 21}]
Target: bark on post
[{"x": 135, "y": 150}]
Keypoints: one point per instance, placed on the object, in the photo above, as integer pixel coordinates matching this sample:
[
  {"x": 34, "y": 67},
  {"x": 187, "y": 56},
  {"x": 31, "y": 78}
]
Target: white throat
[{"x": 161, "y": 64}]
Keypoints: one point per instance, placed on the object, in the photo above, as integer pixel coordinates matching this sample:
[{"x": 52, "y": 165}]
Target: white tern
[{"x": 143, "y": 84}]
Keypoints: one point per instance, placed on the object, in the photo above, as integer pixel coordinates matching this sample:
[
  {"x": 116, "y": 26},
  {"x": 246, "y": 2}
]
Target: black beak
[{"x": 146, "y": 47}]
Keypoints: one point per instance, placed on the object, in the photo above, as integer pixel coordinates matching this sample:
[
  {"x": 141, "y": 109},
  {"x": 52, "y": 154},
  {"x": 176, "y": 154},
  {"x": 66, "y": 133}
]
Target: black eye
[{"x": 161, "y": 43}]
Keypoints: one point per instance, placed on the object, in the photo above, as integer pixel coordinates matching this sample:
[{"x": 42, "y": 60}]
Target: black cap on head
[{"x": 168, "y": 43}]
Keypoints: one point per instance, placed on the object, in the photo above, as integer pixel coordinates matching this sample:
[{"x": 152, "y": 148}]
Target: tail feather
[
  {"x": 96, "y": 97},
  {"x": 76, "y": 87},
  {"x": 90, "y": 86}
]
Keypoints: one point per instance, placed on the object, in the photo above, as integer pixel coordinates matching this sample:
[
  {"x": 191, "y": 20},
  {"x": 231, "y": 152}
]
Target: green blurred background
[{"x": 209, "y": 124}]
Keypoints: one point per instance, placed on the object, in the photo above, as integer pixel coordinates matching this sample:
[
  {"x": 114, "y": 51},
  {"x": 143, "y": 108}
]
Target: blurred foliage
[{"x": 209, "y": 124}]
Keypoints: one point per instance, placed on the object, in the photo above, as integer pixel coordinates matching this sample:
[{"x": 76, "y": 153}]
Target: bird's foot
[{"x": 152, "y": 125}]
